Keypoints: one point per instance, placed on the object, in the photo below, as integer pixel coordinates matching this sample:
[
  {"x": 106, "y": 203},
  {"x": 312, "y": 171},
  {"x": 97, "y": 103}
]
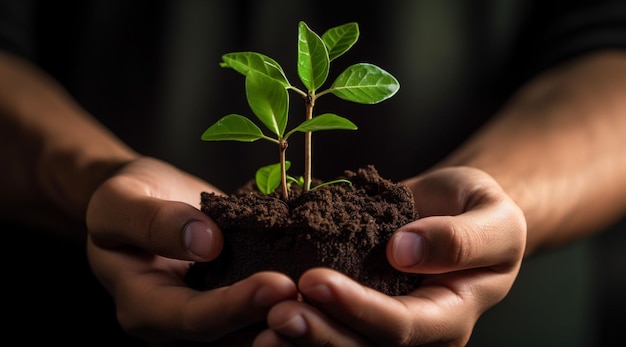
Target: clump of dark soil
[{"x": 340, "y": 226}]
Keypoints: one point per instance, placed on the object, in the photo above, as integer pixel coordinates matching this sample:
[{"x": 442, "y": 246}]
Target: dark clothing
[{"x": 149, "y": 70}]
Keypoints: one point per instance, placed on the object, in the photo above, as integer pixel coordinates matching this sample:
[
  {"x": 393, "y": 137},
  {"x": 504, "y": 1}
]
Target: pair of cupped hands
[{"x": 145, "y": 229}]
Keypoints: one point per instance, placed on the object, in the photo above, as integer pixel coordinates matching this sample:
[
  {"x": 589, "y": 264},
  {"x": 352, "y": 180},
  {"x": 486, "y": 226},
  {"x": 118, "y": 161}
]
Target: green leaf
[
  {"x": 299, "y": 181},
  {"x": 268, "y": 177},
  {"x": 269, "y": 101},
  {"x": 243, "y": 62},
  {"x": 365, "y": 83},
  {"x": 313, "y": 61},
  {"x": 340, "y": 39},
  {"x": 233, "y": 127},
  {"x": 323, "y": 184},
  {"x": 326, "y": 121}
]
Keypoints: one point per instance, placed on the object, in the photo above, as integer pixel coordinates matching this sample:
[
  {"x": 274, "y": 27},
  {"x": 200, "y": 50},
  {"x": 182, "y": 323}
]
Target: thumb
[
  {"x": 169, "y": 228},
  {"x": 178, "y": 230},
  {"x": 491, "y": 234}
]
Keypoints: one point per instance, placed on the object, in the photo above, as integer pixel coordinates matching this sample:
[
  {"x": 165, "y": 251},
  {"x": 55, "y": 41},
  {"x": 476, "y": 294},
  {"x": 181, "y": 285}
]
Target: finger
[
  {"x": 230, "y": 309},
  {"x": 168, "y": 228},
  {"x": 490, "y": 235},
  {"x": 430, "y": 314},
  {"x": 153, "y": 302},
  {"x": 297, "y": 323},
  {"x": 270, "y": 338}
]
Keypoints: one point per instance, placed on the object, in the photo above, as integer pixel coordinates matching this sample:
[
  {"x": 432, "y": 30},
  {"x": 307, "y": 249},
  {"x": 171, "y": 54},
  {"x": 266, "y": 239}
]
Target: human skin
[
  {"x": 548, "y": 169},
  {"x": 557, "y": 148},
  {"x": 144, "y": 225},
  {"x": 569, "y": 121},
  {"x": 470, "y": 250}
]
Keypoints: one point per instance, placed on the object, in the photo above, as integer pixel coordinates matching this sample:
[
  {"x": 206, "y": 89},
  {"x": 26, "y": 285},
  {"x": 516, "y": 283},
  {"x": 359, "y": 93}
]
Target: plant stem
[
  {"x": 282, "y": 144},
  {"x": 309, "y": 102}
]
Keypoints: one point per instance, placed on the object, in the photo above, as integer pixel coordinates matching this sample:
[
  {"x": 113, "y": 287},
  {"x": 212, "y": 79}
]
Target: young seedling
[{"x": 267, "y": 92}]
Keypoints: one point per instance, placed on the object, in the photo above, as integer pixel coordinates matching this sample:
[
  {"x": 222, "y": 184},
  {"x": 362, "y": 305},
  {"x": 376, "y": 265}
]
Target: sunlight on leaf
[
  {"x": 268, "y": 177},
  {"x": 340, "y": 39},
  {"x": 269, "y": 101},
  {"x": 243, "y": 62},
  {"x": 233, "y": 127},
  {"x": 326, "y": 121},
  {"x": 313, "y": 61},
  {"x": 365, "y": 83},
  {"x": 267, "y": 92}
]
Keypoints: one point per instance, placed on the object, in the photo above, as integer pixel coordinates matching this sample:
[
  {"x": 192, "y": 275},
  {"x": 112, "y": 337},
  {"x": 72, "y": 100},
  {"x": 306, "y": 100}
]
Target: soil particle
[{"x": 340, "y": 226}]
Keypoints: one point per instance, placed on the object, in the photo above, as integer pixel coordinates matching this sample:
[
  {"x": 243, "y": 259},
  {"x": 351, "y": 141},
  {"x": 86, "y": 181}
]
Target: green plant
[{"x": 267, "y": 92}]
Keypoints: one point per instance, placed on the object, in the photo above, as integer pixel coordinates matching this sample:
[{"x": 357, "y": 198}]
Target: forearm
[
  {"x": 55, "y": 153},
  {"x": 558, "y": 148}
]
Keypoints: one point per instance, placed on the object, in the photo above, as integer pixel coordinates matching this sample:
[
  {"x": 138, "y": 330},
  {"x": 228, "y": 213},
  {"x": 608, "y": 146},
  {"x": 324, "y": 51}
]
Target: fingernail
[
  {"x": 198, "y": 237},
  {"x": 294, "y": 327},
  {"x": 408, "y": 249}
]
